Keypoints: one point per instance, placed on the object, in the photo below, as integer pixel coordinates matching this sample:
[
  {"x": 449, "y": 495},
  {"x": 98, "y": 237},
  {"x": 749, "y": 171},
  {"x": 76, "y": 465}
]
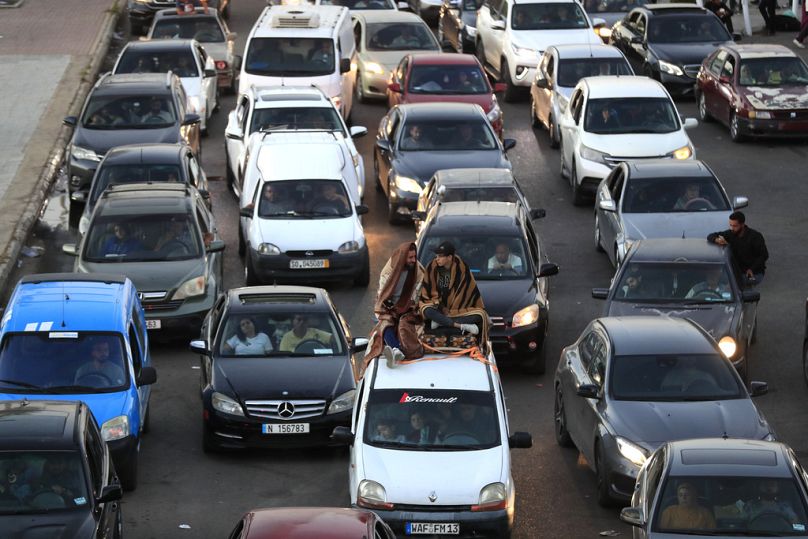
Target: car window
[
  {"x": 717, "y": 62},
  {"x": 489, "y": 256},
  {"x": 685, "y": 194},
  {"x": 42, "y": 482},
  {"x": 193, "y": 169},
  {"x": 304, "y": 199},
  {"x": 448, "y": 79},
  {"x": 447, "y": 135},
  {"x": 676, "y": 283},
  {"x": 575, "y": 105},
  {"x": 401, "y": 71},
  {"x": 597, "y": 364},
  {"x": 242, "y": 112},
  {"x": 142, "y": 238},
  {"x": 572, "y": 70},
  {"x": 360, "y": 4},
  {"x": 610, "y": 116},
  {"x": 532, "y": 244},
  {"x": 550, "y": 68},
  {"x": 236, "y": 533},
  {"x": 139, "y": 60},
  {"x": 548, "y": 16},
  {"x": 616, "y": 185},
  {"x": 135, "y": 346},
  {"x": 123, "y": 174},
  {"x": 357, "y": 31},
  {"x": 653, "y": 475},
  {"x": 687, "y": 28},
  {"x": 494, "y": 194},
  {"x": 202, "y": 29},
  {"x": 129, "y": 112},
  {"x": 280, "y": 333},
  {"x": 290, "y": 56},
  {"x": 400, "y": 37},
  {"x": 773, "y": 72},
  {"x": 586, "y": 349},
  {"x": 296, "y": 118},
  {"x": 728, "y": 70},
  {"x": 640, "y": 23}
]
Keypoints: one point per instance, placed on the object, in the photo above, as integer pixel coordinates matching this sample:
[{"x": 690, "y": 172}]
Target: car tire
[
  {"x": 392, "y": 213},
  {"x": 735, "y": 128},
  {"x": 534, "y": 118},
  {"x": 242, "y": 247},
  {"x": 74, "y": 212},
  {"x": 147, "y": 420},
  {"x": 208, "y": 443},
  {"x": 562, "y": 168},
  {"x": 551, "y": 129},
  {"x": 701, "y": 105},
  {"x": 378, "y": 182},
  {"x": 127, "y": 473},
  {"x": 578, "y": 196},
  {"x": 363, "y": 278},
  {"x": 511, "y": 92},
  {"x": 360, "y": 93},
  {"x": 250, "y": 278},
  {"x": 536, "y": 362},
  {"x": 562, "y": 435},
  {"x": 230, "y": 178},
  {"x": 602, "y": 473},
  {"x": 598, "y": 243}
]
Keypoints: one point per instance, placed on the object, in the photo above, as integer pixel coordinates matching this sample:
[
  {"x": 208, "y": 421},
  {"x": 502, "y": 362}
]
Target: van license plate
[
  {"x": 429, "y": 528},
  {"x": 305, "y": 263},
  {"x": 153, "y": 324},
  {"x": 285, "y": 428}
]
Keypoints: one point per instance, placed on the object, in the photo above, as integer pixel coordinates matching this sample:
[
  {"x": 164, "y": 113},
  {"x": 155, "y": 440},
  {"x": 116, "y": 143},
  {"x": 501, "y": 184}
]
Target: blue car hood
[{"x": 104, "y": 406}]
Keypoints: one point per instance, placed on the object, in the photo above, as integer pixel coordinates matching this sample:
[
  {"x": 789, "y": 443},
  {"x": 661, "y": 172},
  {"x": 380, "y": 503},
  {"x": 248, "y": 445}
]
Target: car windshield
[
  {"x": 548, "y": 16},
  {"x": 290, "y": 57},
  {"x": 304, "y": 199},
  {"x": 294, "y": 118},
  {"x": 696, "y": 377},
  {"x": 42, "y": 481},
  {"x": 492, "y": 194},
  {"x": 202, "y": 29},
  {"x": 280, "y": 334},
  {"x": 396, "y": 36},
  {"x": 621, "y": 115},
  {"x": 731, "y": 506},
  {"x": 120, "y": 174},
  {"x": 447, "y": 135},
  {"x": 142, "y": 238},
  {"x": 360, "y": 4},
  {"x": 180, "y": 61},
  {"x": 63, "y": 362},
  {"x": 696, "y": 28},
  {"x": 593, "y": 7},
  {"x": 675, "y": 283},
  {"x": 489, "y": 257},
  {"x": 431, "y": 420},
  {"x": 130, "y": 112},
  {"x": 773, "y": 72},
  {"x": 663, "y": 195},
  {"x": 572, "y": 70},
  {"x": 448, "y": 79}
]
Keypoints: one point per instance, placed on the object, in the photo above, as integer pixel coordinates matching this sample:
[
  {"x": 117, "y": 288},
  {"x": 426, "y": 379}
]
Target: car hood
[
  {"x": 539, "y": 40},
  {"x": 695, "y": 224},
  {"x": 484, "y": 100},
  {"x": 716, "y": 319},
  {"x": 637, "y": 144},
  {"x": 104, "y": 406},
  {"x": 504, "y": 298},
  {"x": 192, "y": 86},
  {"x": 151, "y": 276},
  {"x": 304, "y": 234},
  {"x": 59, "y": 525},
  {"x": 300, "y": 377},
  {"x": 455, "y": 477},
  {"x": 388, "y": 59},
  {"x": 422, "y": 165},
  {"x": 790, "y": 97},
  {"x": 101, "y": 140},
  {"x": 684, "y": 53},
  {"x": 654, "y": 423}
]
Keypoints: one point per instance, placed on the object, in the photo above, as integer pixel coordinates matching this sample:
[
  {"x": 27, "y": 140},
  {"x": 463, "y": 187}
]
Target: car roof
[
  {"x": 623, "y": 86},
  {"x": 298, "y": 21},
  {"x": 288, "y": 156},
  {"x": 647, "y": 335},
  {"x": 583, "y": 50},
  {"x": 308, "y": 522},
  {"x": 127, "y": 83},
  {"x": 668, "y": 168},
  {"x": 474, "y": 217},
  {"x": 159, "y": 45},
  {"x": 441, "y": 111},
  {"x": 199, "y": 13},
  {"x": 474, "y": 177},
  {"x": 289, "y": 96},
  {"x": 157, "y": 198},
  {"x": 729, "y": 457},
  {"x": 387, "y": 15},
  {"x": 434, "y": 371},
  {"x": 762, "y": 50},
  {"x": 40, "y": 424},
  {"x": 677, "y": 250},
  {"x": 136, "y": 154},
  {"x": 440, "y": 58},
  {"x": 674, "y": 8},
  {"x": 256, "y": 299}
]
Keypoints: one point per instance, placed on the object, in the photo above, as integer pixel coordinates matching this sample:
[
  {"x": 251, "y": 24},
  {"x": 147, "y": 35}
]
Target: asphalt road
[{"x": 180, "y": 485}]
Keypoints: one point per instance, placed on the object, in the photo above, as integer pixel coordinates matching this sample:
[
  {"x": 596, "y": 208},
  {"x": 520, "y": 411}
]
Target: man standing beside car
[{"x": 747, "y": 246}]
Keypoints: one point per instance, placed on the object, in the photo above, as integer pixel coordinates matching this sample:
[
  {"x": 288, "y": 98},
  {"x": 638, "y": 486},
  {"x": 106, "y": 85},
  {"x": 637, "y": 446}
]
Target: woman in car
[{"x": 247, "y": 341}]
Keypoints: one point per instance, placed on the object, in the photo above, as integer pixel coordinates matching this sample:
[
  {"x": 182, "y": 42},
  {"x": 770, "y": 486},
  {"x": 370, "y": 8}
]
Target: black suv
[
  {"x": 127, "y": 109},
  {"x": 56, "y": 472},
  {"x": 490, "y": 237},
  {"x": 141, "y": 12}
]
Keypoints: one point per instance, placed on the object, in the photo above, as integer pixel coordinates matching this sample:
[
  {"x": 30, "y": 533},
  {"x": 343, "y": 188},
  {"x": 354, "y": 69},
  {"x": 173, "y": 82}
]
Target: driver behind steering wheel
[
  {"x": 101, "y": 364},
  {"x": 690, "y": 197},
  {"x": 503, "y": 259},
  {"x": 300, "y": 332},
  {"x": 713, "y": 285}
]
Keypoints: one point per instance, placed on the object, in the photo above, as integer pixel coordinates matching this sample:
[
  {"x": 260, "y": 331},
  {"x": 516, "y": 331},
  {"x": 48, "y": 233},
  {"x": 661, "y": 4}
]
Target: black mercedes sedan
[
  {"x": 688, "y": 278},
  {"x": 416, "y": 140},
  {"x": 277, "y": 368},
  {"x": 499, "y": 244},
  {"x": 668, "y": 42}
]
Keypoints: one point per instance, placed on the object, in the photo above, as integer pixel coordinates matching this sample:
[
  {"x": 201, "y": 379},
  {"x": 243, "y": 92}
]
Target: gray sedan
[
  {"x": 628, "y": 385},
  {"x": 660, "y": 198}
]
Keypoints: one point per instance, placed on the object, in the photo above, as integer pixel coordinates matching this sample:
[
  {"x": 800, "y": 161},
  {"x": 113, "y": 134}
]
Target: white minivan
[
  {"x": 302, "y": 46},
  {"x": 430, "y": 450}
]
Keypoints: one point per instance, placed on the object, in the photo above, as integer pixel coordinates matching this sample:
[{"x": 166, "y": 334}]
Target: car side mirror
[
  {"x": 234, "y": 134},
  {"x": 538, "y": 213},
  {"x": 72, "y": 121},
  {"x": 200, "y": 347},
  {"x": 359, "y": 344},
  {"x": 394, "y": 87},
  {"x": 520, "y": 440},
  {"x": 191, "y": 119},
  {"x": 500, "y": 87},
  {"x": 750, "y": 296},
  {"x": 361, "y": 209},
  {"x": 342, "y": 435},
  {"x": 110, "y": 493},
  {"x": 548, "y": 270},
  {"x": 403, "y": 6},
  {"x": 636, "y": 40},
  {"x": 358, "y": 131},
  {"x": 739, "y": 202},
  {"x": 344, "y": 65},
  {"x": 508, "y": 144},
  {"x": 148, "y": 376},
  {"x": 498, "y": 25},
  {"x": 204, "y": 193},
  {"x": 210, "y": 72},
  {"x": 633, "y": 516},
  {"x": 418, "y": 215},
  {"x": 246, "y": 211},
  {"x": 70, "y": 249},
  {"x": 607, "y": 205},
  {"x": 588, "y": 391},
  {"x": 383, "y": 145},
  {"x": 756, "y": 389},
  {"x": 78, "y": 196},
  {"x": 215, "y": 246},
  {"x": 690, "y": 123},
  {"x": 600, "y": 293}
]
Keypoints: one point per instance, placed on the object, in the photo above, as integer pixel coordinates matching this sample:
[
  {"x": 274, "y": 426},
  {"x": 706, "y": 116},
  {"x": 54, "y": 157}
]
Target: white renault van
[
  {"x": 430, "y": 450},
  {"x": 302, "y": 46}
]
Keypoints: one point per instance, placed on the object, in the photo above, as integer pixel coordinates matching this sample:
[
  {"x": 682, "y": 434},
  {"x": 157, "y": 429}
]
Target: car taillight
[{"x": 221, "y": 65}]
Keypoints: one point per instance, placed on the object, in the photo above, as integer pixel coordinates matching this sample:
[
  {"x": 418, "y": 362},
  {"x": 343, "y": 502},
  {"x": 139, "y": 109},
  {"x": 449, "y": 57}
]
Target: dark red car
[
  {"x": 311, "y": 523},
  {"x": 459, "y": 78},
  {"x": 757, "y": 90}
]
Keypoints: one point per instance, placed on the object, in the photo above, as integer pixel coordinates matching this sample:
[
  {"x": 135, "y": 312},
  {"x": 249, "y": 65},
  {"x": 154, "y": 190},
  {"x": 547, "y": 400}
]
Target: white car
[
  {"x": 287, "y": 109},
  {"x": 511, "y": 36},
  {"x": 187, "y": 59},
  {"x": 430, "y": 450},
  {"x": 615, "y": 119}
]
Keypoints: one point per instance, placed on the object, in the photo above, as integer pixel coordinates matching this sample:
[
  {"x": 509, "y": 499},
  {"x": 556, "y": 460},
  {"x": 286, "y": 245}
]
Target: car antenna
[
  {"x": 683, "y": 234},
  {"x": 725, "y": 435}
]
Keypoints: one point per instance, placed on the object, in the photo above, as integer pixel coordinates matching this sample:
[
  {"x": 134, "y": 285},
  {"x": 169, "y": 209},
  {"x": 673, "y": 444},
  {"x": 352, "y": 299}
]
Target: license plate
[
  {"x": 152, "y": 324},
  {"x": 285, "y": 428},
  {"x": 305, "y": 263},
  {"x": 429, "y": 528}
]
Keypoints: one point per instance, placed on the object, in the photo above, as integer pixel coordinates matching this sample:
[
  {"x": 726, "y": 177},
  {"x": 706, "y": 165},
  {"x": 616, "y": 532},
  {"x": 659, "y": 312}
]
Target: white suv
[
  {"x": 430, "y": 450},
  {"x": 511, "y": 36}
]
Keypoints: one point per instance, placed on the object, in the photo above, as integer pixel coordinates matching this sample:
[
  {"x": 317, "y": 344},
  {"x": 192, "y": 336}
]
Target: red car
[
  {"x": 757, "y": 90},
  {"x": 429, "y": 78},
  {"x": 311, "y": 523}
]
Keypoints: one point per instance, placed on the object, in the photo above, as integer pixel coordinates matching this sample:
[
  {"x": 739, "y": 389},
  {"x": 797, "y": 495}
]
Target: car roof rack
[{"x": 106, "y": 278}]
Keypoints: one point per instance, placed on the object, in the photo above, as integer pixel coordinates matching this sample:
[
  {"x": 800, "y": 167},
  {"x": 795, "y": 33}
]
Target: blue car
[{"x": 66, "y": 336}]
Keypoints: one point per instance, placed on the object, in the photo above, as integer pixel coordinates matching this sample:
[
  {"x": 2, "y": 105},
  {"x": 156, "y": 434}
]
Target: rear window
[
  {"x": 180, "y": 61},
  {"x": 548, "y": 16},
  {"x": 400, "y": 37},
  {"x": 204, "y": 30},
  {"x": 122, "y": 174},
  {"x": 447, "y": 79}
]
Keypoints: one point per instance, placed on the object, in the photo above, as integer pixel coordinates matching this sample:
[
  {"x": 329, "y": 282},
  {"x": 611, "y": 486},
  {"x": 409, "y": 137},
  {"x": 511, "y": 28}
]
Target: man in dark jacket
[
  {"x": 722, "y": 11},
  {"x": 747, "y": 246}
]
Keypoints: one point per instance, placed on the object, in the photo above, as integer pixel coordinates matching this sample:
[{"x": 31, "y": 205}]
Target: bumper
[
  {"x": 404, "y": 201},
  {"x": 678, "y": 85},
  {"x": 773, "y": 128},
  {"x": 226, "y": 79},
  {"x": 590, "y": 173},
  {"x": 80, "y": 174},
  {"x": 622, "y": 474},
  {"x": 483, "y": 524},
  {"x": 340, "y": 267},
  {"x": 517, "y": 342},
  {"x": 181, "y": 315},
  {"x": 122, "y": 450}
]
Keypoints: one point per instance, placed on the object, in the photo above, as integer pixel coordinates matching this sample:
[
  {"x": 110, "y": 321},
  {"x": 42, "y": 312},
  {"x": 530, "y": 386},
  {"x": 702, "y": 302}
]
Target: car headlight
[
  {"x": 372, "y": 494},
  {"x": 115, "y": 428},
  {"x": 268, "y": 249},
  {"x": 592, "y": 155},
  {"x": 526, "y": 316},
  {"x": 375, "y": 68},
  {"x": 685, "y": 152},
  {"x": 195, "y": 104},
  {"x": 728, "y": 346},
  {"x": 84, "y": 154},
  {"x": 493, "y": 497},
  {"x": 760, "y": 115},
  {"x": 225, "y": 404},
  {"x": 342, "y": 403},
  {"x": 348, "y": 247},
  {"x": 408, "y": 184},
  {"x": 631, "y": 451},
  {"x": 471, "y": 31},
  {"x": 670, "y": 69},
  {"x": 191, "y": 288},
  {"x": 522, "y": 51},
  {"x": 495, "y": 113}
]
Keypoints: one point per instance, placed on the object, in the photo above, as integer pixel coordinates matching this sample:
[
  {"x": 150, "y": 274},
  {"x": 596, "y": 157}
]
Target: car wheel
[
  {"x": 360, "y": 93},
  {"x": 363, "y": 278},
  {"x": 551, "y": 129},
  {"x": 562, "y": 167},
  {"x": 704, "y": 116},
  {"x": 562, "y": 435},
  {"x": 147, "y": 420},
  {"x": 598, "y": 242},
  {"x": 242, "y": 247},
  {"x": 578, "y": 197},
  {"x": 511, "y": 92},
  {"x": 534, "y": 118},
  {"x": 602, "y": 472},
  {"x": 127, "y": 473},
  {"x": 250, "y": 277},
  {"x": 536, "y": 362},
  {"x": 735, "y": 128},
  {"x": 392, "y": 212},
  {"x": 379, "y": 187}
]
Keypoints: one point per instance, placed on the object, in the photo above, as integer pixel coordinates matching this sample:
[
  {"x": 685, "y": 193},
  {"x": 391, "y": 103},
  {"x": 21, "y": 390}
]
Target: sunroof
[
  {"x": 34, "y": 424},
  {"x": 247, "y": 299},
  {"x": 290, "y": 97},
  {"x": 745, "y": 457}
]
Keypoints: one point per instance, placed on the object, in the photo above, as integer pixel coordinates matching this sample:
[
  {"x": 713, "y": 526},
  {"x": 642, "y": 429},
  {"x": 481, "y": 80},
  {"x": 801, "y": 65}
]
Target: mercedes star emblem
[
  {"x": 309, "y": 253},
  {"x": 433, "y": 497},
  {"x": 286, "y": 410}
]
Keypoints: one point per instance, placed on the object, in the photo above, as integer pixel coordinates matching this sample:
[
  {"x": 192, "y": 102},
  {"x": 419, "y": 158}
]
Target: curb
[{"x": 34, "y": 205}]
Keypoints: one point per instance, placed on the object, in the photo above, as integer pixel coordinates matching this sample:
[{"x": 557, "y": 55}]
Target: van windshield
[
  {"x": 290, "y": 57},
  {"x": 430, "y": 420},
  {"x": 42, "y": 481},
  {"x": 60, "y": 362}
]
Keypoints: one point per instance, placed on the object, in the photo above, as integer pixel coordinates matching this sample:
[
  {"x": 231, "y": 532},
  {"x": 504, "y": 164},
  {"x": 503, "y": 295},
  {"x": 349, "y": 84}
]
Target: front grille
[
  {"x": 433, "y": 508},
  {"x": 313, "y": 252},
  {"x": 269, "y": 409},
  {"x": 692, "y": 70},
  {"x": 166, "y": 306}
]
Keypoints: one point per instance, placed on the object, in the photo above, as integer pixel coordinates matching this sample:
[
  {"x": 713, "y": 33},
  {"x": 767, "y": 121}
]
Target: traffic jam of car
[{"x": 657, "y": 393}]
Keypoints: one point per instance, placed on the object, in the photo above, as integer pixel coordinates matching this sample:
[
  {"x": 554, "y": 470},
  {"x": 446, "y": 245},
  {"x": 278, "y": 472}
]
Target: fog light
[
  {"x": 521, "y": 71},
  {"x": 532, "y": 345}
]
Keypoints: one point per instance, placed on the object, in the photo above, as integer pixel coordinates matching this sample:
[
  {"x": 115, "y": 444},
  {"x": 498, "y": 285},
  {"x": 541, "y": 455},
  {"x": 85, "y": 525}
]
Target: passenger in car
[
  {"x": 247, "y": 341},
  {"x": 121, "y": 242},
  {"x": 301, "y": 331},
  {"x": 687, "y": 514},
  {"x": 503, "y": 259}
]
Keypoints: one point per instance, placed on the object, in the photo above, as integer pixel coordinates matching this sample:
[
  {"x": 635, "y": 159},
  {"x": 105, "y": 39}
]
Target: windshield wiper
[
  {"x": 704, "y": 301},
  {"x": 76, "y": 388},
  {"x": 20, "y": 383}
]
